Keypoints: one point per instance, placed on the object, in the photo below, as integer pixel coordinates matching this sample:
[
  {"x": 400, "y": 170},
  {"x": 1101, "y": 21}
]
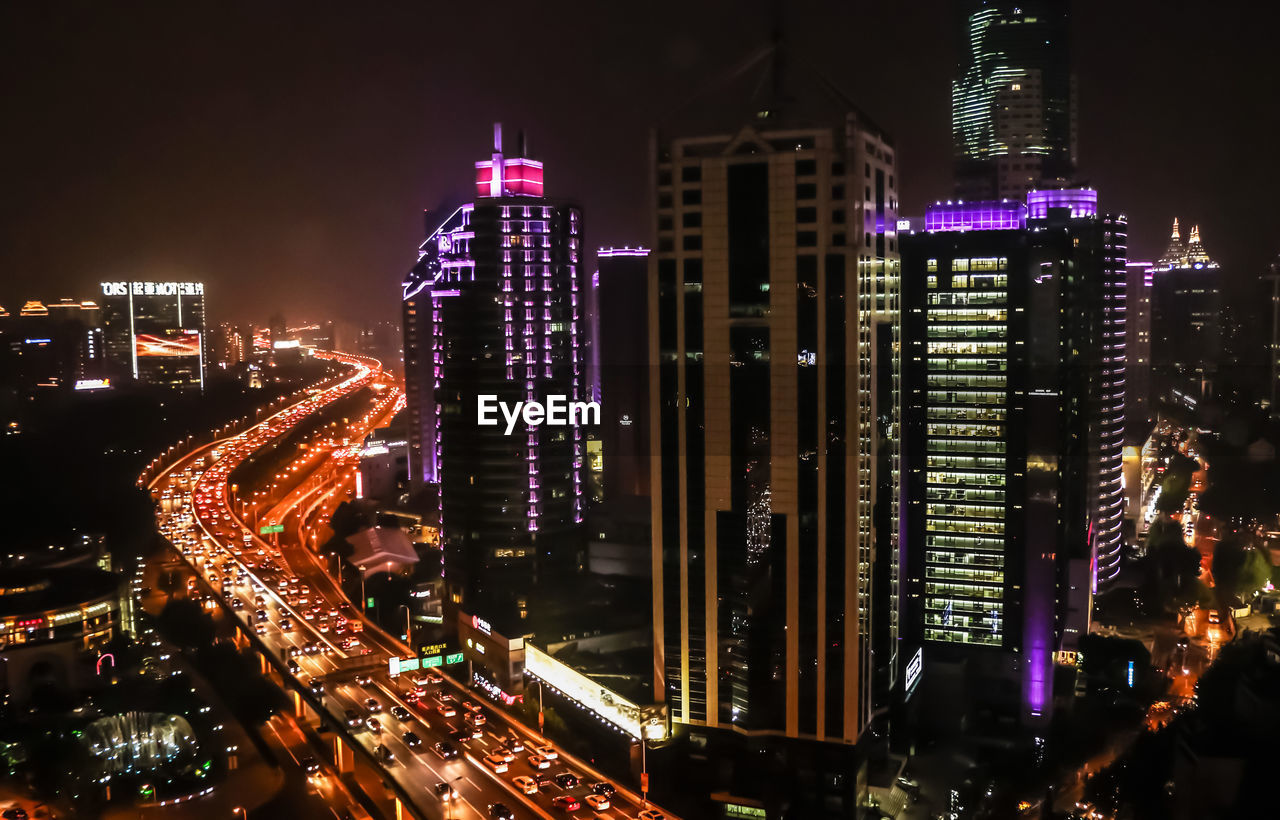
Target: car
[
  {"x": 373, "y": 725},
  {"x": 651, "y": 814},
  {"x": 1214, "y": 617},
  {"x": 411, "y": 740},
  {"x": 316, "y": 686},
  {"x": 400, "y": 713},
  {"x": 363, "y": 680},
  {"x": 598, "y": 802},
  {"x": 293, "y": 667},
  {"x": 603, "y": 789},
  {"x": 384, "y": 754},
  {"x": 566, "y": 803},
  {"x": 496, "y": 763},
  {"x": 311, "y": 648},
  {"x": 295, "y": 651},
  {"x": 506, "y": 753},
  {"x": 539, "y": 762},
  {"x": 373, "y": 706},
  {"x": 544, "y": 779},
  {"x": 444, "y": 791},
  {"x": 513, "y": 743},
  {"x": 260, "y": 616},
  {"x": 460, "y": 735},
  {"x": 567, "y": 780},
  {"x": 412, "y": 698},
  {"x": 354, "y": 718},
  {"x": 260, "y": 628},
  {"x": 545, "y": 750},
  {"x": 236, "y": 603},
  {"x": 525, "y": 784},
  {"x": 471, "y": 706},
  {"x": 476, "y": 719},
  {"x": 309, "y": 764},
  {"x": 446, "y": 750},
  {"x": 286, "y": 624},
  {"x": 446, "y": 709},
  {"x": 499, "y": 811}
]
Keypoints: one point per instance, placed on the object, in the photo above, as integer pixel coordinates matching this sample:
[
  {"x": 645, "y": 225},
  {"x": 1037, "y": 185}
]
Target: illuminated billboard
[
  {"x": 612, "y": 707},
  {"x": 169, "y": 343}
]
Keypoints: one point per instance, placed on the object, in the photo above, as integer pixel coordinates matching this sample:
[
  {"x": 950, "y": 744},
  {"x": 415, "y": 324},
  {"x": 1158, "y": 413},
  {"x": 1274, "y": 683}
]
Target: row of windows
[
  {"x": 972, "y": 527},
  {"x": 988, "y": 365},
  {"x": 968, "y": 446},
  {"x": 964, "y": 494},
  {"x": 963, "y": 348},
  {"x": 963, "y": 511},
  {"x": 999, "y": 314},
  {"x": 990, "y": 297},
  {"x": 974, "y": 397},
  {"x": 965, "y": 542},
  {"x": 950, "y": 589},
  {"x": 965, "y": 380},
  {"x": 952, "y": 331},
  {"x": 966, "y": 414},
  {"x": 974, "y": 559},
  {"x": 965, "y": 430},
  {"x": 986, "y": 576},
  {"x": 957, "y": 636},
  {"x": 968, "y": 479}
]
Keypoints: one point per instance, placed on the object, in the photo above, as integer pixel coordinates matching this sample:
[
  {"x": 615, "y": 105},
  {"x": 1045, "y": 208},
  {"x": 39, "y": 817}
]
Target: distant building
[
  {"x": 1012, "y": 442},
  {"x": 622, "y": 361},
  {"x": 52, "y": 345},
  {"x": 1186, "y": 321},
  {"x": 1012, "y": 98},
  {"x": 154, "y": 332},
  {"x": 1137, "y": 393},
  {"x": 494, "y": 307}
]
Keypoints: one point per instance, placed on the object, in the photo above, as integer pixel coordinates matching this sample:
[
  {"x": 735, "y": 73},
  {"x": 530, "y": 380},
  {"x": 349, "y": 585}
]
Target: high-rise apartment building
[
  {"x": 154, "y": 331},
  {"x": 1273, "y": 276},
  {"x": 1186, "y": 319},
  {"x": 492, "y": 307},
  {"x": 1137, "y": 394},
  {"x": 773, "y": 317},
  {"x": 622, "y": 363},
  {"x": 1013, "y": 326},
  {"x": 1012, "y": 98}
]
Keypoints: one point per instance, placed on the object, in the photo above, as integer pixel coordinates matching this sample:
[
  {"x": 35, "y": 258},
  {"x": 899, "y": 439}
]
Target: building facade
[
  {"x": 622, "y": 361},
  {"x": 1137, "y": 394},
  {"x": 773, "y": 418},
  {"x": 1012, "y": 99},
  {"x": 492, "y": 308},
  {"x": 1186, "y": 308},
  {"x": 154, "y": 332},
  {"x": 1013, "y": 416}
]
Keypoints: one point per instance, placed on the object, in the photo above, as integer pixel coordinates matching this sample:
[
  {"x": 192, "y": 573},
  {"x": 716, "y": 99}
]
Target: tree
[
  {"x": 184, "y": 623},
  {"x": 1173, "y": 568}
]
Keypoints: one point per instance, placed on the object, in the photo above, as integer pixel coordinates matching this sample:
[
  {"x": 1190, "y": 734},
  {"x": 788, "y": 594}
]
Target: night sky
[{"x": 283, "y": 152}]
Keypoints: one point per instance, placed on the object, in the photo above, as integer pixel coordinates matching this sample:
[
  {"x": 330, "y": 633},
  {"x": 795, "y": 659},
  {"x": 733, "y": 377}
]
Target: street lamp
[
  {"x": 363, "y": 600},
  {"x": 408, "y": 628}
]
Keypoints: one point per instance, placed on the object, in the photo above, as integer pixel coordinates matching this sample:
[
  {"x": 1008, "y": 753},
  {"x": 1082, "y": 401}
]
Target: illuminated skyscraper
[
  {"x": 492, "y": 307},
  {"x": 773, "y": 316},
  {"x": 1012, "y": 98},
  {"x": 154, "y": 331},
  {"x": 1186, "y": 321},
  {"x": 1013, "y": 420}
]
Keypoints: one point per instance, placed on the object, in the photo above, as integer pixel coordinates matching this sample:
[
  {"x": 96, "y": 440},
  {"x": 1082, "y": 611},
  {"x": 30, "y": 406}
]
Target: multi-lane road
[{"x": 451, "y": 754}]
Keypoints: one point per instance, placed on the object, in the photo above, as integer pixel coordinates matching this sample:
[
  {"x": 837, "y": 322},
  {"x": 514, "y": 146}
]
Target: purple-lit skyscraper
[
  {"x": 1013, "y": 429},
  {"x": 494, "y": 307}
]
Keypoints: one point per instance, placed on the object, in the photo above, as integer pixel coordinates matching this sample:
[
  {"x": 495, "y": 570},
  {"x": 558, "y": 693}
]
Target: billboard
[{"x": 169, "y": 343}]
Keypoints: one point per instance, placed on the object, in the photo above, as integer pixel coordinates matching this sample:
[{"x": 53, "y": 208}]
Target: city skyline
[{"x": 202, "y": 169}]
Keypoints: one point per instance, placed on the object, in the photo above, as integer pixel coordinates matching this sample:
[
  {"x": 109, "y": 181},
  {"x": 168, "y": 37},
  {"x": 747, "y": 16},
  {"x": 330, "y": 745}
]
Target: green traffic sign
[
  {"x": 456, "y": 657},
  {"x": 268, "y": 529},
  {"x": 432, "y": 662},
  {"x": 368, "y": 604}
]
